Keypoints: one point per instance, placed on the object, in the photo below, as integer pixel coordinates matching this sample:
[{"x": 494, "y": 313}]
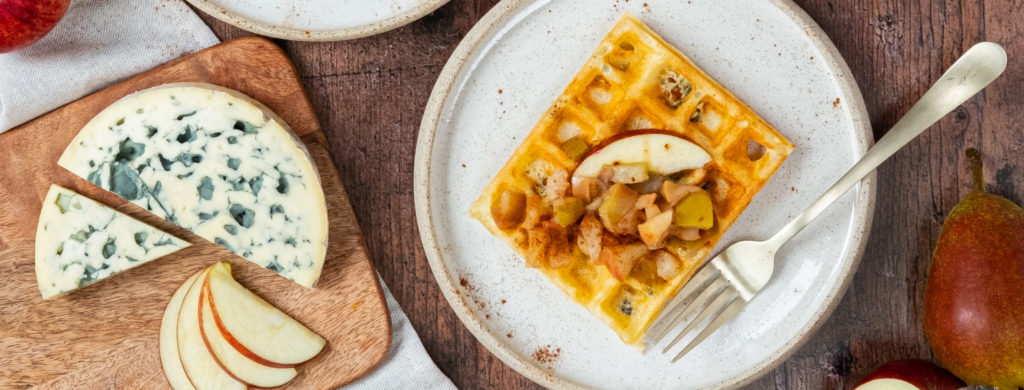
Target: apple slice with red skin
[
  {"x": 169, "y": 357},
  {"x": 233, "y": 362},
  {"x": 255, "y": 328},
  {"x": 912, "y": 374},
  {"x": 663, "y": 151},
  {"x": 23, "y": 22},
  {"x": 200, "y": 367}
]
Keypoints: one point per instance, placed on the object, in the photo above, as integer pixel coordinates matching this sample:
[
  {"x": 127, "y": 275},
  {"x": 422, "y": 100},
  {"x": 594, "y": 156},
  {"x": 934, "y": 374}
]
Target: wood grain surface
[
  {"x": 106, "y": 335},
  {"x": 370, "y": 93}
]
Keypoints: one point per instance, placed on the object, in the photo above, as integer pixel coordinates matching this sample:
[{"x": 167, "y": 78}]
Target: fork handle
[{"x": 978, "y": 67}]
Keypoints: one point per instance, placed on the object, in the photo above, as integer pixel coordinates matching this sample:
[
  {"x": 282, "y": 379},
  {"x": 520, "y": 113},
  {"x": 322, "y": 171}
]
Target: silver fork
[{"x": 738, "y": 273}]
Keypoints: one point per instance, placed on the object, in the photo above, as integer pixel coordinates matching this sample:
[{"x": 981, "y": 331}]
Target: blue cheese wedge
[
  {"x": 217, "y": 163},
  {"x": 80, "y": 242}
]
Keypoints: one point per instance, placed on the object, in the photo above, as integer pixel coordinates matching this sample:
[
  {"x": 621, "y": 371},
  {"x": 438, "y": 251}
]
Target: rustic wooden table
[{"x": 370, "y": 93}]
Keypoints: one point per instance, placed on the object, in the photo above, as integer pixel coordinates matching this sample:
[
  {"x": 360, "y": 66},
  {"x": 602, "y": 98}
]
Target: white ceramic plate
[
  {"x": 506, "y": 73},
  {"x": 318, "y": 20}
]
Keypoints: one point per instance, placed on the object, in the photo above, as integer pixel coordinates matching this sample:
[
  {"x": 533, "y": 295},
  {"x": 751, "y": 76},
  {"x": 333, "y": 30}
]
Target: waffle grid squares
[{"x": 621, "y": 87}]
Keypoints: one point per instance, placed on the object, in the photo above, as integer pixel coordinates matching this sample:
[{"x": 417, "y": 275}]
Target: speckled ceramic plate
[
  {"x": 318, "y": 20},
  {"x": 510, "y": 68}
]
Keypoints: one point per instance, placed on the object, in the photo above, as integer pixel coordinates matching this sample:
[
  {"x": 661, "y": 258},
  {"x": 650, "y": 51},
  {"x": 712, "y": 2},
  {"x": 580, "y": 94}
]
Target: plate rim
[
  {"x": 863, "y": 210},
  {"x": 213, "y": 8}
]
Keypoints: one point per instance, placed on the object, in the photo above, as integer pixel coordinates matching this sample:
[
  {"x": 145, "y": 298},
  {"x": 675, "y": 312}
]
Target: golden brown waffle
[{"x": 625, "y": 85}]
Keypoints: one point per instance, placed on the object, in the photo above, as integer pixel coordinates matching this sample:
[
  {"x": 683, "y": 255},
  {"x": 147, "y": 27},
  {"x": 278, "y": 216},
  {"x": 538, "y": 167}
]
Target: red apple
[
  {"x": 23, "y": 22},
  {"x": 909, "y": 374}
]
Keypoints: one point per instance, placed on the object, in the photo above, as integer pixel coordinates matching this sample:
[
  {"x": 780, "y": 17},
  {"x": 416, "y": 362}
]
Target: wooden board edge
[
  {"x": 388, "y": 338},
  {"x": 313, "y": 143}
]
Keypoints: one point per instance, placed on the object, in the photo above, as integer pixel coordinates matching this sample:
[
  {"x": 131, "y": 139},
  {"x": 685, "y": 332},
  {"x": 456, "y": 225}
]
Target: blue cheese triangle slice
[
  {"x": 217, "y": 163},
  {"x": 80, "y": 242}
]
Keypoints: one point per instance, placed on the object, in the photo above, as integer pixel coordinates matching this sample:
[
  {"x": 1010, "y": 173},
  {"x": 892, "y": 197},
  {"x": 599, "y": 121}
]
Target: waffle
[{"x": 634, "y": 80}]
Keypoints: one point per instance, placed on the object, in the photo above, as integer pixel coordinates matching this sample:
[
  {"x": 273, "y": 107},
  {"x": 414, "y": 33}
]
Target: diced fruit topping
[
  {"x": 695, "y": 211},
  {"x": 627, "y": 226},
  {"x": 549, "y": 242},
  {"x": 674, "y": 191},
  {"x": 620, "y": 258},
  {"x": 595, "y": 204},
  {"x": 556, "y": 185},
  {"x": 587, "y": 189},
  {"x": 694, "y": 177},
  {"x": 646, "y": 200},
  {"x": 685, "y": 233},
  {"x": 668, "y": 266},
  {"x": 618, "y": 201},
  {"x": 509, "y": 209},
  {"x": 575, "y": 148},
  {"x": 654, "y": 231},
  {"x": 589, "y": 239},
  {"x": 534, "y": 211},
  {"x": 568, "y": 210},
  {"x": 629, "y": 173},
  {"x": 652, "y": 211},
  {"x": 634, "y": 199},
  {"x": 650, "y": 186}
]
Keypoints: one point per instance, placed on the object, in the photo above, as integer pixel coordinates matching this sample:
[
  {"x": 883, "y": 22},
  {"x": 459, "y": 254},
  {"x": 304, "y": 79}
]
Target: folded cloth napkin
[
  {"x": 97, "y": 43},
  {"x": 407, "y": 366},
  {"x": 100, "y": 42}
]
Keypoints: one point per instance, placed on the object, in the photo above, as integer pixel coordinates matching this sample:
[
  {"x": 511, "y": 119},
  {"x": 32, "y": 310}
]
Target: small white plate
[
  {"x": 506, "y": 73},
  {"x": 319, "y": 20}
]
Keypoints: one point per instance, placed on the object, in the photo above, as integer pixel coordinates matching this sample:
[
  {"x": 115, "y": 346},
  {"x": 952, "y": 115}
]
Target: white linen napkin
[
  {"x": 100, "y": 42},
  {"x": 407, "y": 366},
  {"x": 97, "y": 43}
]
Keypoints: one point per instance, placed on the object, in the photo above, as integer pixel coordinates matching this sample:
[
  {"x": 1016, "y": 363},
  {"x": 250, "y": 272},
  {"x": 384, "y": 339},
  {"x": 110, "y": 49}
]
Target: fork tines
[{"x": 711, "y": 297}]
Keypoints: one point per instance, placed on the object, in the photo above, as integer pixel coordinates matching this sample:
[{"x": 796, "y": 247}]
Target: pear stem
[{"x": 976, "y": 168}]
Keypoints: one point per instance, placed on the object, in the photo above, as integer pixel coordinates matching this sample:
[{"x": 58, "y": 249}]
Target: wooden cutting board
[{"x": 106, "y": 335}]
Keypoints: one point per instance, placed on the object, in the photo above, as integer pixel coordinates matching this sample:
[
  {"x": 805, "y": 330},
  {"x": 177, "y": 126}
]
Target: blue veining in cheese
[
  {"x": 215, "y": 162},
  {"x": 80, "y": 242}
]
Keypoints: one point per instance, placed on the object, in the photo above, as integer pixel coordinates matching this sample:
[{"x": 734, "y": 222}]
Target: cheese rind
[
  {"x": 217, "y": 163},
  {"x": 80, "y": 242}
]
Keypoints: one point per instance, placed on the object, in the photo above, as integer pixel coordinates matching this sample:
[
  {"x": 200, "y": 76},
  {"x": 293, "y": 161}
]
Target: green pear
[{"x": 974, "y": 299}]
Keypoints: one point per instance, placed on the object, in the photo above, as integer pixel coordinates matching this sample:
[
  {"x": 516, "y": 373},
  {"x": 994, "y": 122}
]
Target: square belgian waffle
[{"x": 634, "y": 80}]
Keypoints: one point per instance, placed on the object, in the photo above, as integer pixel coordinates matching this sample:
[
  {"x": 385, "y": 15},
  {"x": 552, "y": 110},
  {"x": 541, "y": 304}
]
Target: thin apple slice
[
  {"x": 173, "y": 369},
  {"x": 663, "y": 152},
  {"x": 200, "y": 367},
  {"x": 241, "y": 368},
  {"x": 256, "y": 328}
]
